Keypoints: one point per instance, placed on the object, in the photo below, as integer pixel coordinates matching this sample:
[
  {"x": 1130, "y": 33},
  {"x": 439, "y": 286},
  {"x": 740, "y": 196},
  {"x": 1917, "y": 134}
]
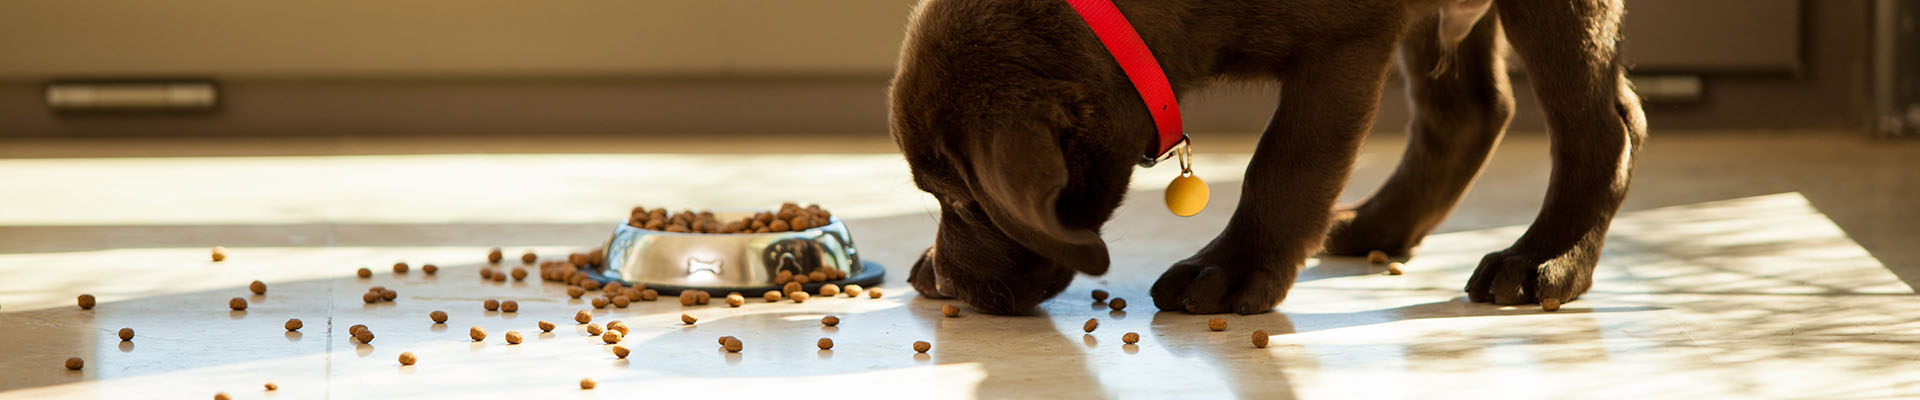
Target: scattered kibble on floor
[
  {"x": 733, "y": 345},
  {"x": 1260, "y": 338},
  {"x": 75, "y": 363},
  {"x": 950, "y": 311},
  {"x": 1090, "y": 325},
  {"x": 1117, "y": 304},
  {"x": 219, "y": 254},
  {"x": 439, "y": 317},
  {"x": 257, "y": 287},
  {"x": 922, "y": 346},
  {"x": 587, "y": 383},
  {"x": 364, "y": 272},
  {"x": 830, "y": 320},
  {"x": 1217, "y": 324},
  {"x": 237, "y": 304},
  {"x": 1130, "y": 338},
  {"x": 86, "y": 301},
  {"x": 294, "y": 324},
  {"x": 825, "y": 344},
  {"x": 620, "y": 351},
  {"x": 477, "y": 333},
  {"x": 126, "y": 334},
  {"x": 688, "y": 319},
  {"x": 1099, "y": 295},
  {"x": 408, "y": 358}
]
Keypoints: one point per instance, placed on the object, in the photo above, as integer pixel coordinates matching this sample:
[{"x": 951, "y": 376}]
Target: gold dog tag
[{"x": 1187, "y": 194}]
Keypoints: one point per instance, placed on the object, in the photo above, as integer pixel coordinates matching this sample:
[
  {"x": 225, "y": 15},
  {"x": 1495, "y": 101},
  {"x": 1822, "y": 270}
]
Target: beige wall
[{"x": 282, "y": 39}]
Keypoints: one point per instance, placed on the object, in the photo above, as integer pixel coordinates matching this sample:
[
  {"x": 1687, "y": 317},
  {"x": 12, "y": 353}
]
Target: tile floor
[{"x": 1747, "y": 265}]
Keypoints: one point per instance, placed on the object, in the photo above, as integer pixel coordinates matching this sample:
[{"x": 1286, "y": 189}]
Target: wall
[{"x": 678, "y": 67}]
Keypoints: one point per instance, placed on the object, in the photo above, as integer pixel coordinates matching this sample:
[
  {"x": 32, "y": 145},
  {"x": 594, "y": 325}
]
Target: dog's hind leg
[
  {"x": 1571, "y": 50},
  {"x": 1458, "y": 118}
]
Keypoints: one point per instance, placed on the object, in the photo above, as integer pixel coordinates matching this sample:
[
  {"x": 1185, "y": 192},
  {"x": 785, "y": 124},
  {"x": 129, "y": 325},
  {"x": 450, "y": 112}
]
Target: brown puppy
[{"x": 1014, "y": 116}]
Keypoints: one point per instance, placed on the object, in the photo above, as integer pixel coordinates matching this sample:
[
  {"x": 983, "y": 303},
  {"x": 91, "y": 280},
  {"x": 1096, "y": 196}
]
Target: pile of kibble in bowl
[{"x": 789, "y": 218}]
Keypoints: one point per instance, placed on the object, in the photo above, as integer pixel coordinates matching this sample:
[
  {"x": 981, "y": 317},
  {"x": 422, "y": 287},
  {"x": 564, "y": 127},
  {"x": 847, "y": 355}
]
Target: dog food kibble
[
  {"x": 587, "y": 384},
  {"x": 513, "y": 337},
  {"x": 688, "y": 319},
  {"x": 477, "y": 333},
  {"x": 1260, "y": 339},
  {"x": 736, "y": 300},
  {"x": 791, "y": 287},
  {"x": 1393, "y": 268},
  {"x": 491, "y": 305},
  {"x": 1090, "y": 325},
  {"x": 583, "y": 316},
  {"x": 519, "y": 273},
  {"x": 499, "y": 277},
  {"x": 388, "y": 294},
  {"x": 594, "y": 330},
  {"x": 800, "y": 297},
  {"x": 1117, "y": 304},
  {"x": 1550, "y": 304},
  {"x": 364, "y": 272},
  {"x": 364, "y": 336},
  {"x": 950, "y": 310},
  {"x": 257, "y": 287},
  {"x": 873, "y": 293},
  {"x": 408, "y": 358},
  {"x": 1217, "y": 324},
  {"x": 830, "y": 320},
  {"x": 74, "y": 363},
  {"x": 772, "y": 296},
  {"x": 237, "y": 304},
  {"x": 86, "y": 301},
  {"x": 852, "y": 290},
  {"x": 529, "y": 257},
  {"x": 783, "y": 277},
  {"x": 430, "y": 269},
  {"x": 824, "y": 343},
  {"x": 733, "y": 345},
  {"x": 546, "y": 326},
  {"x": 649, "y": 295},
  {"x": 1377, "y": 257},
  {"x": 294, "y": 324},
  {"x": 621, "y": 351},
  {"x": 486, "y": 273},
  {"x": 370, "y": 297},
  {"x": 126, "y": 333},
  {"x": 400, "y": 268},
  {"x": 576, "y": 291},
  {"x": 618, "y": 326},
  {"x": 510, "y": 306},
  {"x": 600, "y": 302},
  {"x": 357, "y": 328},
  {"x": 829, "y": 290},
  {"x": 1130, "y": 338},
  {"x": 1099, "y": 295},
  {"x": 687, "y": 298},
  {"x": 620, "y": 301},
  {"x": 723, "y": 340},
  {"x": 272, "y": 387},
  {"x": 439, "y": 317},
  {"x": 702, "y": 297},
  {"x": 817, "y": 276},
  {"x": 222, "y": 396},
  {"x": 922, "y": 346},
  {"x": 611, "y": 337},
  {"x": 219, "y": 254}
]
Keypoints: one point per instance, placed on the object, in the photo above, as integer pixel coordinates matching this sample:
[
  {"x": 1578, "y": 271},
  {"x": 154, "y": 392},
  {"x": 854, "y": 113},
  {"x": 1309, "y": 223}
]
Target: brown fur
[{"x": 1016, "y": 119}]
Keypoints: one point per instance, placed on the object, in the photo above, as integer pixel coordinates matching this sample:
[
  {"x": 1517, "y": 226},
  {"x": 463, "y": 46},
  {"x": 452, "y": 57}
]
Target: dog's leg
[
  {"x": 1597, "y": 126},
  {"x": 1296, "y": 172},
  {"x": 1458, "y": 117}
]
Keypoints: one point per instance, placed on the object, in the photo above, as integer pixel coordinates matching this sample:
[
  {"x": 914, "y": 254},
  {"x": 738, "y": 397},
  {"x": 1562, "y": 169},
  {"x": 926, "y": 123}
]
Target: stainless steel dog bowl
[{"x": 746, "y": 263}]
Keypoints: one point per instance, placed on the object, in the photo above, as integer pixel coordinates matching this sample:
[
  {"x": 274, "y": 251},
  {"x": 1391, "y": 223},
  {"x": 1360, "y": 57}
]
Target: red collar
[{"x": 1141, "y": 68}]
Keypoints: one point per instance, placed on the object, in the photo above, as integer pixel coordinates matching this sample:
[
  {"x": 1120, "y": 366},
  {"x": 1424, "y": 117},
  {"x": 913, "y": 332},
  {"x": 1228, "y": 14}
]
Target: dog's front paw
[
  {"x": 1353, "y": 235},
  {"x": 1203, "y": 287},
  {"x": 1518, "y": 277}
]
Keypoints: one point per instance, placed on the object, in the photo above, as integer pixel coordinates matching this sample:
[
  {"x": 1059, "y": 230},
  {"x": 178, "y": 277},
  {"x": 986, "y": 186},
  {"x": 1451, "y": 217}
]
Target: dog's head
[{"x": 1003, "y": 126}]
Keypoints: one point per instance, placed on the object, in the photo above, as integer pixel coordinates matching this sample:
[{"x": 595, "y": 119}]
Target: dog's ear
[{"x": 1019, "y": 172}]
